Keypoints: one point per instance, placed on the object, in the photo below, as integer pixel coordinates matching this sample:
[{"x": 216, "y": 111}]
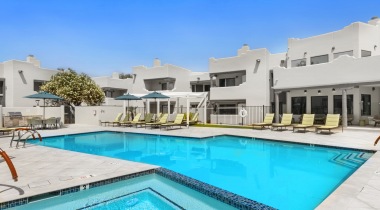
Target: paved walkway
[{"x": 42, "y": 169}]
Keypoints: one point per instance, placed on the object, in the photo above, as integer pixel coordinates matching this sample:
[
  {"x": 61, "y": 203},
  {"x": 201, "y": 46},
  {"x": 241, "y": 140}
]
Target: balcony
[
  {"x": 344, "y": 71},
  {"x": 229, "y": 93}
]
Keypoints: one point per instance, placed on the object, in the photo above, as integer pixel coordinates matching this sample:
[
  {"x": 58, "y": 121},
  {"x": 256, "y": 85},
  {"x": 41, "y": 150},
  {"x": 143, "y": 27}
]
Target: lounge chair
[
  {"x": 307, "y": 122},
  {"x": 268, "y": 120},
  {"x": 177, "y": 122},
  {"x": 285, "y": 122},
  {"x": 116, "y": 121},
  {"x": 192, "y": 120},
  {"x": 163, "y": 120},
  {"x": 332, "y": 122},
  {"x": 135, "y": 119},
  {"x": 147, "y": 119},
  {"x": 376, "y": 120},
  {"x": 124, "y": 121}
]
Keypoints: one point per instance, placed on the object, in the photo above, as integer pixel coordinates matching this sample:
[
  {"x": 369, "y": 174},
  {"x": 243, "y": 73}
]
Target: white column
[
  {"x": 205, "y": 112},
  {"x": 124, "y": 111},
  {"x": 187, "y": 111},
  {"x": 147, "y": 106},
  {"x": 158, "y": 107},
  {"x": 177, "y": 104},
  {"x": 277, "y": 106},
  {"x": 168, "y": 109},
  {"x": 1, "y": 116},
  {"x": 344, "y": 108}
]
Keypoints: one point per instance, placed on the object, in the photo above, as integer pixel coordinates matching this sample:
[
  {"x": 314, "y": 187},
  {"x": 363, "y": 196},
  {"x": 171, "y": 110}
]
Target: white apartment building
[
  {"x": 321, "y": 70},
  {"x": 316, "y": 75}
]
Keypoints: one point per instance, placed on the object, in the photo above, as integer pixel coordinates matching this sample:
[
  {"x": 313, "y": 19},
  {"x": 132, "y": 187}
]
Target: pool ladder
[
  {"x": 10, "y": 164},
  {"x": 23, "y": 134}
]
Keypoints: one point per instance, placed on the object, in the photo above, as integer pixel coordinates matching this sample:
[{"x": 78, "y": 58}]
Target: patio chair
[
  {"x": 36, "y": 123},
  {"x": 116, "y": 121},
  {"x": 135, "y": 119},
  {"x": 194, "y": 119},
  {"x": 51, "y": 123},
  {"x": 285, "y": 122},
  {"x": 177, "y": 122},
  {"x": 376, "y": 120},
  {"x": 163, "y": 120},
  {"x": 307, "y": 122},
  {"x": 268, "y": 120},
  {"x": 332, "y": 122},
  {"x": 147, "y": 119},
  {"x": 124, "y": 120}
]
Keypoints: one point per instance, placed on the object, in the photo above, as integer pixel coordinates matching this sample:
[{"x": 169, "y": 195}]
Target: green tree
[{"x": 74, "y": 88}]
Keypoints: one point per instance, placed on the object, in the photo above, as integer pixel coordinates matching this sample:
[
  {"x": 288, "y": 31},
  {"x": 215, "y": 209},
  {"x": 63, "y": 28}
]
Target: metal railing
[{"x": 218, "y": 115}]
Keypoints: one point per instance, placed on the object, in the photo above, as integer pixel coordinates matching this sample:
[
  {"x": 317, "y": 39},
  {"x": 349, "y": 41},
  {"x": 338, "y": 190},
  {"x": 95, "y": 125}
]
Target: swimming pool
[
  {"x": 144, "y": 192},
  {"x": 279, "y": 174}
]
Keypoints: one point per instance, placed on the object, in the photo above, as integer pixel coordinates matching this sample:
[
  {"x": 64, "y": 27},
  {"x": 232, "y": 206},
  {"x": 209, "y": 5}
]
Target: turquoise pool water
[
  {"x": 278, "y": 174},
  {"x": 148, "y": 192}
]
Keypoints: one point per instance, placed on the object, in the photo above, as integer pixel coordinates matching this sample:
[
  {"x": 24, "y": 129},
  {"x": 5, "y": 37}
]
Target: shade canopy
[
  {"x": 127, "y": 97},
  {"x": 155, "y": 95},
  {"x": 44, "y": 95}
]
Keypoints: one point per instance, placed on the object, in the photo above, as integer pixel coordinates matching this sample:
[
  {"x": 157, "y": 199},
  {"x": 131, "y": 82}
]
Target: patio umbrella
[
  {"x": 155, "y": 95},
  {"x": 44, "y": 95},
  {"x": 127, "y": 97}
]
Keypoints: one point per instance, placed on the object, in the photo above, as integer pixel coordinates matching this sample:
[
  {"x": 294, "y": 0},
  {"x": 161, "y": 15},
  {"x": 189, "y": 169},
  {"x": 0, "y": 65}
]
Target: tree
[
  {"x": 74, "y": 88},
  {"x": 125, "y": 76}
]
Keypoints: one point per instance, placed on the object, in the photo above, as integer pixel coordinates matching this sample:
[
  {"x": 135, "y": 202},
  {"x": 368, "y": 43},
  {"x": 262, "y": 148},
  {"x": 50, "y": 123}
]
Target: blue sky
[{"x": 99, "y": 37}]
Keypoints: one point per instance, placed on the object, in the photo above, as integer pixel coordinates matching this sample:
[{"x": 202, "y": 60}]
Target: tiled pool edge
[
  {"x": 224, "y": 196},
  {"x": 206, "y": 189}
]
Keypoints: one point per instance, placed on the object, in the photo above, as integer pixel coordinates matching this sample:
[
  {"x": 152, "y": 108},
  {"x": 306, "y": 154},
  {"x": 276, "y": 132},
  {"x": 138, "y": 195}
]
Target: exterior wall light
[
  {"x": 258, "y": 60},
  {"x": 373, "y": 88},
  {"x": 304, "y": 54},
  {"x": 332, "y": 49},
  {"x": 305, "y": 91},
  {"x": 20, "y": 71},
  {"x": 374, "y": 47},
  {"x": 333, "y": 90},
  {"x": 319, "y": 92}
]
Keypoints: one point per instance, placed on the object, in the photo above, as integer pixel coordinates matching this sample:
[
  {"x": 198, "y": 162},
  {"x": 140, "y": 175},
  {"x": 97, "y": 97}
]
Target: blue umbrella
[
  {"x": 127, "y": 97},
  {"x": 44, "y": 95},
  {"x": 155, "y": 95}
]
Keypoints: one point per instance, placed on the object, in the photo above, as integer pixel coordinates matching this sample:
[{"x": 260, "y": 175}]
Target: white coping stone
[{"x": 37, "y": 163}]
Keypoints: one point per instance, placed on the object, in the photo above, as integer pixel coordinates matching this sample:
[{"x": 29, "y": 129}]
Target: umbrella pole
[
  {"x": 44, "y": 110},
  {"x": 127, "y": 111}
]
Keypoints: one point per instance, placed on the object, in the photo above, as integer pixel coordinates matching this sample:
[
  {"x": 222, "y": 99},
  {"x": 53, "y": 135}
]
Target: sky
[{"x": 99, "y": 37}]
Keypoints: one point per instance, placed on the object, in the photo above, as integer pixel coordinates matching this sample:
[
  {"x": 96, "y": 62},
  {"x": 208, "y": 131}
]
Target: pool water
[
  {"x": 145, "y": 199},
  {"x": 278, "y": 174},
  {"x": 141, "y": 193}
]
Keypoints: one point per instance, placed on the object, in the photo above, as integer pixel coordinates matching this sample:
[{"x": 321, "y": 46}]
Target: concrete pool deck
[{"x": 42, "y": 169}]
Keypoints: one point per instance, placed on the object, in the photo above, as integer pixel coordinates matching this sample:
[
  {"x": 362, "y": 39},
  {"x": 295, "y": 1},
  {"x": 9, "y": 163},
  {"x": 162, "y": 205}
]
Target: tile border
[{"x": 224, "y": 196}]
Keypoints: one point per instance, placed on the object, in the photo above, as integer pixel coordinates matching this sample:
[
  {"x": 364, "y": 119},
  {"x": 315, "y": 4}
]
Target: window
[
  {"x": 366, "y": 104},
  {"x": 366, "y": 53},
  {"x": 319, "y": 59},
  {"x": 299, "y": 105},
  {"x": 338, "y": 104},
  {"x": 207, "y": 88},
  {"x": 226, "y": 82},
  {"x": 197, "y": 88},
  {"x": 350, "y": 53},
  {"x": 164, "y": 86},
  {"x": 299, "y": 62},
  {"x": 227, "y": 109},
  {"x": 38, "y": 84},
  {"x": 319, "y": 105}
]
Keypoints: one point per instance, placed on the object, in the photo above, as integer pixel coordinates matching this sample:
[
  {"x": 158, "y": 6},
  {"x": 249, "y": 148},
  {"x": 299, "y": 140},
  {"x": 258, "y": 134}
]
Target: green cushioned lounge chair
[
  {"x": 147, "y": 119},
  {"x": 163, "y": 120},
  {"x": 332, "y": 122},
  {"x": 135, "y": 119},
  {"x": 116, "y": 121},
  {"x": 268, "y": 120},
  {"x": 307, "y": 122},
  {"x": 285, "y": 122},
  {"x": 177, "y": 122}
]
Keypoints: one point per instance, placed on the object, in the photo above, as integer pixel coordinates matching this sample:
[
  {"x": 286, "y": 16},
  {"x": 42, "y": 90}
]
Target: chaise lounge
[
  {"x": 268, "y": 120},
  {"x": 332, "y": 122},
  {"x": 116, "y": 121},
  {"x": 307, "y": 122},
  {"x": 177, "y": 122},
  {"x": 285, "y": 122}
]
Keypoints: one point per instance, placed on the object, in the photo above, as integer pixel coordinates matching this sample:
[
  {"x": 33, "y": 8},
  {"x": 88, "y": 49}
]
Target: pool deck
[{"x": 43, "y": 169}]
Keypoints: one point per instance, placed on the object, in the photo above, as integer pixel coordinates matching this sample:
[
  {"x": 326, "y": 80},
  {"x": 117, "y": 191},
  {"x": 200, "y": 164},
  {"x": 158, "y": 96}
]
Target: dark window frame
[{"x": 301, "y": 109}]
